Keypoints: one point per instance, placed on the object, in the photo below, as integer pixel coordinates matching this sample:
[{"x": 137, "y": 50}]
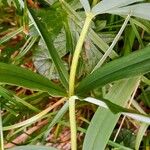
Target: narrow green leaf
[
  {"x": 140, "y": 135},
  {"x": 86, "y": 5},
  {"x": 13, "y": 98},
  {"x": 27, "y": 46},
  {"x": 1, "y": 131},
  {"x": 138, "y": 36},
  {"x": 11, "y": 74},
  {"x": 131, "y": 65},
  {"x": 49, "y": 43},
  {"x": 33, "y": 147},
  {"x": 12, "y": 34},
  {"x": 118, "y": 146},
  {"x": 141, "y": 24},
  {"x": 129, "y": 38},
  {"x": 69, "y": 38},
  {"x": 32, "y": 119},
  {"x": 59, "y": 115}
]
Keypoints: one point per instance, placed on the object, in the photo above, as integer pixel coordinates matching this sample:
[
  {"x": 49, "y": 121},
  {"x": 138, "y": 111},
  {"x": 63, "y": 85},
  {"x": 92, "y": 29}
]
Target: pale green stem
[
  {"x": 1, "y": 132},
  {"x": 77, "y": 52},
  {"x": 113, "y": 44},
  {"x": 73, "y": 122},
  {"x": 73, "y": 69}
]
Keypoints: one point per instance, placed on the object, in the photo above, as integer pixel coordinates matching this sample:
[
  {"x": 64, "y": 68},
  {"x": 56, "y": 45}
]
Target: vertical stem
[
  {"x": 73, "y": 123},
  {"x": 73, "y": 69},
  {"x": 77, "y": 53},
  {"x": 1, "y": 132}
]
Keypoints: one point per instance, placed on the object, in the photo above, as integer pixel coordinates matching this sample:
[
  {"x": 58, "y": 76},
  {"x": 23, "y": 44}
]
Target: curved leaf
[
  {"x": 131, "y": 65},
  {"x": 11, "y": 74},
  {"x": 33, "y": 147},
  {"x": 107, "y": 5},
  {"x": 115, "y": 108},
  {"x": 135, "y": 10}
]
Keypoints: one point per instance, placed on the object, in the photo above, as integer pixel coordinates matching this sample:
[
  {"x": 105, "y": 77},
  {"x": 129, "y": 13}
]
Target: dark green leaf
[
  {"x": 43, "y": 30},
  {"x": 131, "y": 65},
  {"x": 11, "y": 74}
]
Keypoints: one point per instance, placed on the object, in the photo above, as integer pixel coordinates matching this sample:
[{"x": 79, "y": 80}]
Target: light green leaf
[
  {"x": 86, "y": 5},
  {"x": 11, "y": 74},
  {"x": 135, "y": 10},
  {"x": 33, "y": 147},
  {"x": 106, "y": 5},
  {"x": 131, "y": 65},
  {"x": 140, "y": 135},
  {"x": 104, "y": 121}
]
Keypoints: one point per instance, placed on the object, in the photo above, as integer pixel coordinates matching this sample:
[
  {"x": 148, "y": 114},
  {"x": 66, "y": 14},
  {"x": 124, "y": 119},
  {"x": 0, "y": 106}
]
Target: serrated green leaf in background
[
  {"x": 43, "y": 61},
  {"x": 43, "y": 31}
]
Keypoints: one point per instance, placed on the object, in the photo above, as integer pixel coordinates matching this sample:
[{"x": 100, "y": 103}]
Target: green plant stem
[
  {"x": 74, "y": 65},
  {"x": 73, "y": 123},
  {"x": 113, "y": 43},
  {"x": 77, "y": 52},
  {"x": 1, "y": 132}
]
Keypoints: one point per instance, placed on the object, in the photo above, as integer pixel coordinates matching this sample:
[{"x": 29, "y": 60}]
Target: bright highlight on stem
[
  {"x": 1, "y": 132},
  {"x": 77, "y": 53}
]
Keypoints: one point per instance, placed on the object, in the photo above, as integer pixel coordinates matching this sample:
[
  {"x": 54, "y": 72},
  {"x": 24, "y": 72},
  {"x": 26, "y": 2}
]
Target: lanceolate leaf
[
  {"x": 54, "y": 54},
  {"x": 11, "y": 74},
  {"x": 131, "y": 65},
  {"x": 104, "y": 121}
]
